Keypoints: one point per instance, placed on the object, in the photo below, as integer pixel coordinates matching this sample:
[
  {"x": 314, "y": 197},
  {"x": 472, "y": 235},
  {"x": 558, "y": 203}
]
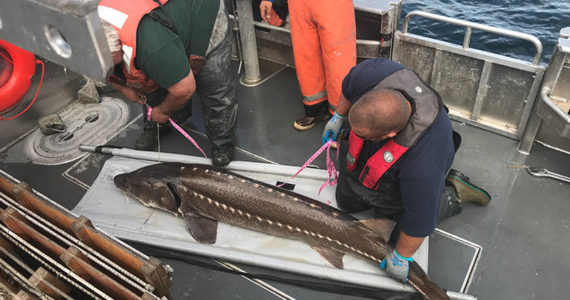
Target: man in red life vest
[
  {"x": 396, "y": 158},
  {"x": 169, "y": 50}
]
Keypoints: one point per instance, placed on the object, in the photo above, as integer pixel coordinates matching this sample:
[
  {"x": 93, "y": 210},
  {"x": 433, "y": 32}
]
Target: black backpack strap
[{"x": 166, "y": 23}]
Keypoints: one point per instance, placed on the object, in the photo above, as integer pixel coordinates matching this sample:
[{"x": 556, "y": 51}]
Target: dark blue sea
[{"x": 540, "y": 18}]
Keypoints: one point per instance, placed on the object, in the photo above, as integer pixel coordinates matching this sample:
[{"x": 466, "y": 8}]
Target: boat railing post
[
  {"x": 248, "y": 43},
  {"x": 467, "y": 39}
]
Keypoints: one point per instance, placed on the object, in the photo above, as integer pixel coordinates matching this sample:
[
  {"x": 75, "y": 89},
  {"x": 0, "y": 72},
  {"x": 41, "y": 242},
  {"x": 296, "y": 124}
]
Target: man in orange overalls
[{"x": 324, "y": 45}]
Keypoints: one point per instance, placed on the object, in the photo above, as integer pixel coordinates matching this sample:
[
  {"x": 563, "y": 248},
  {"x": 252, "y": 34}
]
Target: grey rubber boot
[{"x": 449, "y": 205}]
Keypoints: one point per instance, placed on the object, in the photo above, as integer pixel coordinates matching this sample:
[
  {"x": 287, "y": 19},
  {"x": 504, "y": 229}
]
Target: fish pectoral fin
[
  {"x": 381, "y": 227},
  {"x": 332, "y": 256},
  {"x": 202, "y": 229}
]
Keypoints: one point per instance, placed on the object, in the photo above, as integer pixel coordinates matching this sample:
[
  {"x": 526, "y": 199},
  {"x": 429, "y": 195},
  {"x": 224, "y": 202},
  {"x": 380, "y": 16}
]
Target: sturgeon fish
[{"x": 205, "y": 195}]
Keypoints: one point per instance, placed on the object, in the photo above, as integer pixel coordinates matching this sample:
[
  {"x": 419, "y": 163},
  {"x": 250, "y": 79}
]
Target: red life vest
[
  {"x": 124, "y": 16},
  {"x": 426, "y": 107},
  {"x": 377, "y": 164}
]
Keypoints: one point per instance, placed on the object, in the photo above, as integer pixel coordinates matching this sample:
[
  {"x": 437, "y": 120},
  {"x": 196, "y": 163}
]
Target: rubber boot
[
  {"x": 313, "y": 115},
  {"x": 222, "y": 156},
  {"x": 449, "y": 205},
  {"x": 467, "y": 191},
  {"x": 148, "y": 140}
]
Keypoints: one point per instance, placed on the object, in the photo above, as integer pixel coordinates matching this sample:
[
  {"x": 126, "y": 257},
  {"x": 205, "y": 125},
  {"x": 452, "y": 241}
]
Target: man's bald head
[{"x": 380, "y": 111}]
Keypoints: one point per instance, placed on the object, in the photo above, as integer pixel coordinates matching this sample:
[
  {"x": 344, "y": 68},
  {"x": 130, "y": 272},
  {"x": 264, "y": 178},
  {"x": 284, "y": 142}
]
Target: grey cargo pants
[{"x": 215, "y": 84}]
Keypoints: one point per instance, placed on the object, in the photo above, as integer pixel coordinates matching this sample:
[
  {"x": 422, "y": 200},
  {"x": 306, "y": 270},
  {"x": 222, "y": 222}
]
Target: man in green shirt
[{"x": 156, "y": 69}]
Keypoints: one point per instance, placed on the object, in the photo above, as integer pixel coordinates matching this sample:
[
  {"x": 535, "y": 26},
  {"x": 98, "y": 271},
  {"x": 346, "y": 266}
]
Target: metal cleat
[{"x": 51, "y": 124}]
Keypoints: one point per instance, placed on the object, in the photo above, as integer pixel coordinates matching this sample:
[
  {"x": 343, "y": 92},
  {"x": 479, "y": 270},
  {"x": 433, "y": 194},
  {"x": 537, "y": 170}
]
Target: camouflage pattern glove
[
  {"x": 333, "y": 128},
  {"x": 397, "y": 266}
]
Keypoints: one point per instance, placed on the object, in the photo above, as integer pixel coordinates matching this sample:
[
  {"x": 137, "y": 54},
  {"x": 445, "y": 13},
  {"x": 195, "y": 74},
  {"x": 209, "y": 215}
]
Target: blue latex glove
[
  {"x": 333, "y": 128},
  {"x": 397, "y": 266}
]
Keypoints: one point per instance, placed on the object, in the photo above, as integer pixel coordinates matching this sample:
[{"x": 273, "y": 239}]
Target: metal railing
[
  {"x": 562, "y": 115},
  {"x": 471, "y": 25}
]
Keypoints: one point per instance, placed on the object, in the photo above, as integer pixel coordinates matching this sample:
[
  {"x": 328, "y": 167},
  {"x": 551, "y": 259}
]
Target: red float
[{"x": 19, "y": 74}]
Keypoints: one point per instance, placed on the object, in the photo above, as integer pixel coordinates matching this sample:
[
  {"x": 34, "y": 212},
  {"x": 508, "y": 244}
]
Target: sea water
[{"x": 540, "y": 18}]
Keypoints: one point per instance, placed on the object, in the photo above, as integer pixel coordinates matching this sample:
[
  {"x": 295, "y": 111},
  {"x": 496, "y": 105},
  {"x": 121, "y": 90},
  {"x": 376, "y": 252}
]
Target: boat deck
[{"x": 524, "y": 232}]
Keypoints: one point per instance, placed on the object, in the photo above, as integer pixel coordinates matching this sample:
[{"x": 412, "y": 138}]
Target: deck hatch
[{"x": 85, "y": 124}]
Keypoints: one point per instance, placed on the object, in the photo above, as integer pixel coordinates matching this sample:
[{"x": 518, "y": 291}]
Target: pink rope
[
  {"x": 182, "y": 131},
  {"x": 330, "y": 166}
]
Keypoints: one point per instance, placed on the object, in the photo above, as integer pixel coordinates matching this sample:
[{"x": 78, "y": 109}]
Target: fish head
[{"x": 150, "y": 188}]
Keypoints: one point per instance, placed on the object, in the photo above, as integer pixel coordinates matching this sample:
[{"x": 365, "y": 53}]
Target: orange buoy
[{"x": 17, "y": 66}]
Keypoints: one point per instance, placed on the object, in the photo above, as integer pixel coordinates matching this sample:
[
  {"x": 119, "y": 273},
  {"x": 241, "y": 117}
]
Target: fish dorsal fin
[
  {"x": 203, "y": 230},
  {"x": 332, "y": 256},
  {"x": 381, "y": 227}
]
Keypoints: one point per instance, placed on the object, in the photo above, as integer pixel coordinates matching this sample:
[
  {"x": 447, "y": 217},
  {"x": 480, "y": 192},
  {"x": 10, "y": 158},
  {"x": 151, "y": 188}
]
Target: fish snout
[{"x": 121, "y": 181}]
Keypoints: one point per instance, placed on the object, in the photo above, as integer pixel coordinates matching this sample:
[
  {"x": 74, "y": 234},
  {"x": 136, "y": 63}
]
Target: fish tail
[{"x": 420, "y": 280}]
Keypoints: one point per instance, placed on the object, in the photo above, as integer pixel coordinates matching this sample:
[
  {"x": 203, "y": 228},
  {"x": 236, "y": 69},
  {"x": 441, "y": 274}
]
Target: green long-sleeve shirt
[{"x": 163, "y": 55}]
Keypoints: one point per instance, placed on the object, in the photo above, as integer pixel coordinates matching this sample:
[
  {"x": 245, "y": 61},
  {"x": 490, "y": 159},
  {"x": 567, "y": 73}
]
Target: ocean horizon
[{"x": 543, "y": 19}]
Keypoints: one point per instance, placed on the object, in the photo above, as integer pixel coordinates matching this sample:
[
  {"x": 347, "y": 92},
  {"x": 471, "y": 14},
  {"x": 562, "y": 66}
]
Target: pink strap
[
  {"x": 182, "y": 131},
  {"x": 330, "y": 165},
  {"x": 330, "y": 168},
  {"x": 148, "y": 113}
]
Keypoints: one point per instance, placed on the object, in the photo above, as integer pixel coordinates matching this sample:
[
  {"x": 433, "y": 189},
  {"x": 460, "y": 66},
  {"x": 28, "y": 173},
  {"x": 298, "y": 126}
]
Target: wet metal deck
[{"x": 524, "y": 232}]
